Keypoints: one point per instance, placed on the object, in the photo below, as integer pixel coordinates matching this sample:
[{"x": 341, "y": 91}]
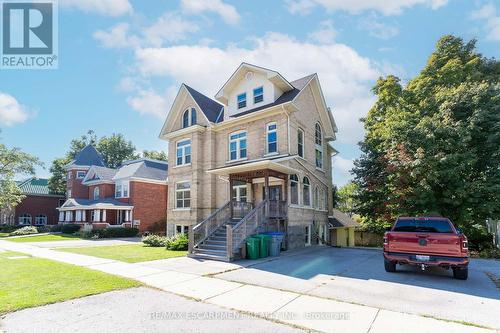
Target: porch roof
[
  {"x": 83, "y": 204},
  {"x": 252, "y": 166}
]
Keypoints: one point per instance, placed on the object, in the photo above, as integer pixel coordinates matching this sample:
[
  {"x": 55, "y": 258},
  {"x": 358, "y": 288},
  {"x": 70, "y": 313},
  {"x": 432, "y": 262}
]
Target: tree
[
  {"x": 155, "y": 155},
  {"x": 13, "y": 162},
  {"x": 434, "y": 145},
  {"x": 346, "y": 198},
  {"x": 114, "y": 149}
]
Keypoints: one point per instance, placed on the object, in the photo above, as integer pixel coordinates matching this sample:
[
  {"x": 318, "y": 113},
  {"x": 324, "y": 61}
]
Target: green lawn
[
  {"x": 128, "y": 253},
  {"x": 4, "y": 234},
  {"x": 44, "y": 238},
  {"x": 30, "y": 282}
]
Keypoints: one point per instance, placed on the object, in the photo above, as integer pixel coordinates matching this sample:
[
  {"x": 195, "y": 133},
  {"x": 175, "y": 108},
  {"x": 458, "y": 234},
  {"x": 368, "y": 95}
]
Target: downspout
[{"x": 288, "y": 131}]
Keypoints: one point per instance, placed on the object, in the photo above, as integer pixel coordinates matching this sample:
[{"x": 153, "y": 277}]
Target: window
[
  {"x": 239, "y": 192},
  {"x": 183, "y": 195},
  {"x": 184, "y": 152},
  {"x": 125, "y": 189},
  {"x": 258, "y": 95},
  {"x": 272, "y": 138},
  {"x": 25, "y": 219},
  {"x": 185, "y": 119},
  {"x": 294, "y": 189},
  {"x": 80, "y": 174},
  {"x": 96, "y": 193},
  {"x": 122, "y": 189},
  {"x": 193, "y": 116},
  {"x": 242, "y": 100},
  {"x": 416, "y": 225},
  {"x": 306, "y": 192},
  {"x": 318, "y": 140},
  {"x": 307, "y": 239},
  {"x": 181, "y": 229},
  {"x": 237, "y": 146},
  {"x": 41, "y": 219},
  {"x": 118, "y": 190},
  {"x": 300, "y": 142}
]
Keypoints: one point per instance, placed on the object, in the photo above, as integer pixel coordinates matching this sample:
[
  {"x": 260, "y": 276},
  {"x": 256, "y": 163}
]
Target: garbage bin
[
  {"x": 280, "y": 236},
  {"x": 265, "y": 241},
  {"x": 274, "y": 249},
  {"x": 253, "y": 245}
]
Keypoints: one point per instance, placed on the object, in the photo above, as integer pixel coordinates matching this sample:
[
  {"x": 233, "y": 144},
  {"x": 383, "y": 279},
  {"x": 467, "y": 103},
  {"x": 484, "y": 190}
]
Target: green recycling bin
[
  {"x": 253, "y": 245},
  {"x": 265, "y": 242}
]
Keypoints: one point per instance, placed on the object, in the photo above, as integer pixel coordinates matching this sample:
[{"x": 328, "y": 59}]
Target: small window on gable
[
  {"x": 96, "y": 193},
  {"x": 242, "y": 100},
  {"x": 189, "y": 118},
  {"x": 193, "y": 116},
  {"x": 185, "y": 119},
  {"x": 258, "y": 95}
]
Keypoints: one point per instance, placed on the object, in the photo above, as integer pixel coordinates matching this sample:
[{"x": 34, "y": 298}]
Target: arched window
[
  {"x": 306, "y": 192},
  {"x": 96, "y": 193},
  {"x": 294, "y": 189},
  {"x": 318, "y": 140},
  {"x": 193, "y": 116},
  {"x": 185, "y": 119},
  {"x": 25, "y": 219},
  {"x": 41, "y": 219}
]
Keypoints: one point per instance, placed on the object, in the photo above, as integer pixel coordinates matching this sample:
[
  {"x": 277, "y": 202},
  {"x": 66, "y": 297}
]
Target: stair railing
[{"x": 205, "y": 228}]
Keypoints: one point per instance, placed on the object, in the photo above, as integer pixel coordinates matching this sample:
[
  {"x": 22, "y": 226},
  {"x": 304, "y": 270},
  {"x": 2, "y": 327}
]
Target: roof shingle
[{"x": 88, "y": 156}]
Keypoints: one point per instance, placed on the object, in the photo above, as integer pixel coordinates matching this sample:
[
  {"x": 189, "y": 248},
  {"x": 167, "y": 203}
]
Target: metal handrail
[{"x": 212, "y": 215}]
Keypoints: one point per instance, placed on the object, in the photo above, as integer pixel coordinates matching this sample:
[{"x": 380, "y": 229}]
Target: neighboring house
[
  {"x": 342, "y": 228},
  {"x": 261, "y": 152},
  {"x": 135, "y": 194},
  {"x": 38, "y": 208}
]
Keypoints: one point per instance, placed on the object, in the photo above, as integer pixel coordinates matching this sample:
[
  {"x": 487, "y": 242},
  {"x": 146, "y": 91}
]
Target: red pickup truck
[{"x": 426, "y": 241}]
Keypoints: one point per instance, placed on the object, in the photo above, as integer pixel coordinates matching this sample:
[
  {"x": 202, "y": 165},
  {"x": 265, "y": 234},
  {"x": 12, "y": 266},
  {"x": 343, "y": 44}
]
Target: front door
[
  {"x": 274, "y": 193},
  {"x": 240, "y": 193}
]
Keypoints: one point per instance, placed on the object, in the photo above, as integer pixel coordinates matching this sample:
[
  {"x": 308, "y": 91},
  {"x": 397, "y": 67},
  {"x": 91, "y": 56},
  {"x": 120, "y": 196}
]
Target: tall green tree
[
  {"x": 114, "y": 150},
  {"x": 155, "y": 155},
  {"x": 433, "y": 146},
  {"x": 14, "y": 162},
  {"x": 346, "y": 198}
]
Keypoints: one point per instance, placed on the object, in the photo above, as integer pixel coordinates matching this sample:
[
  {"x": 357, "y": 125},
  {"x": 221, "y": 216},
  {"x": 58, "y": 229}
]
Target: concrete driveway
[{"x": 358, "y": 276}]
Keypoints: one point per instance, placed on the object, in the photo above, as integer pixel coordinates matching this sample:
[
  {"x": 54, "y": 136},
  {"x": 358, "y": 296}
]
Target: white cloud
[
  {"x": 346, "y": 77},
  {"x": 227, "y": 12},
  {"x": 492, "y": 21},
  {"x": 149, "y": 102},
  {"x": 11, "y": 112},
  {"x": 342, "y": 166},
  {"x": 325, "y": 34},
  {"x": 104, "y": 7},
  {"x": 378, "y": 29},
  {"x": 386, "y": 7},
  {"x": 170, "y": 27}
]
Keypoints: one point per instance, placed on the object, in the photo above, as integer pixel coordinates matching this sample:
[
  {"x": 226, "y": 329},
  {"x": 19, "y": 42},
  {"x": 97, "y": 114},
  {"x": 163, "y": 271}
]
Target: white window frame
[
  {"x": 184, "y": 229},
  {"x": 238, "y": 141},
  {"x": 308, "y": 191},
  {"x": 243, "y": 100},
  {"x": 189, "y": 112},
  {"x": 96, "y": 195},
  {"x": 255, "y": 96},
  {"x": 297, "y": 182},
  {"x": 268, "y": 132},
  {"x": 80, "y": 174},
  {"x": 42, "y": 217},
  {"x": 300, "y": 131},
  {"x": 183, "y": 199},
  {"x": 121, "y": 187},
  {"x": 25, "y": 219},
  {"x": 238, "y": 189},
  {"x": 318, "y": 143},
  {"x": 182, "y": 146}
]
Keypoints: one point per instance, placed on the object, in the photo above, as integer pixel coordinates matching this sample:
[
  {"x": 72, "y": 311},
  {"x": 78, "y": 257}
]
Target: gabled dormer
[{"x": 251, "y": 87}]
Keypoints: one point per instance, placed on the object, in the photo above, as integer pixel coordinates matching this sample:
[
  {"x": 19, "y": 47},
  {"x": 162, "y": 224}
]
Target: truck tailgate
[{"x": 424, "y": 243}]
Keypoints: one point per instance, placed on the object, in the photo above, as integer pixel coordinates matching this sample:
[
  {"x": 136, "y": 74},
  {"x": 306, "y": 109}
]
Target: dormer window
[
  {"x": 242, "y": 100},
  {"x": 189, "y": 118},
  {"x": 80, "y": 174},
  {"x": 258, "y": 95}
]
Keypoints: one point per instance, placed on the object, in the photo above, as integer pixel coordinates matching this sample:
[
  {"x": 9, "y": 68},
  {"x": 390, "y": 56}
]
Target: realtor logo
[{"x": 29, "y": 35}]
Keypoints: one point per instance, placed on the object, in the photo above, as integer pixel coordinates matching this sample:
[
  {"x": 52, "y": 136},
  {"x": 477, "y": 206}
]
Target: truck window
[{"x": 438, "y": 226}]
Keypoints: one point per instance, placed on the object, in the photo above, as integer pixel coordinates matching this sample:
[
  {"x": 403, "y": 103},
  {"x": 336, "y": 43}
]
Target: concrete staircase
[{"x": 215, "y": 246}]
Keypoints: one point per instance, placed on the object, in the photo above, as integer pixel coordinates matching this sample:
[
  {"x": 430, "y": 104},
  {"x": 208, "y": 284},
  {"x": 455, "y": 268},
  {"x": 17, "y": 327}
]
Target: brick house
[
  {"x": 257, "y": 158},
  {"x": 135, "y": 194},
  {"x": 38, "y": 208}
]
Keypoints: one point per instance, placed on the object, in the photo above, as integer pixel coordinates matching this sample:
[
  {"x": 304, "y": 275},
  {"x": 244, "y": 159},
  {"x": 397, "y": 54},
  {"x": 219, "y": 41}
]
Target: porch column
[
  {"x": 266, "y": 184},
  {"x": 231, "y": 184},
  {"x": 104, "y": 215}
]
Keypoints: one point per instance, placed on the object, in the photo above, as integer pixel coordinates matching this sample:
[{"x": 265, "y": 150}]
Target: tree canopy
[{"x": 433, "y": 146}]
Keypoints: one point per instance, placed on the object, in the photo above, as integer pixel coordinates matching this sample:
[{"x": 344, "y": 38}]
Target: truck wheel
[
  {"x": 460, "y": 273},
  {"x": 390, "y": 266}
]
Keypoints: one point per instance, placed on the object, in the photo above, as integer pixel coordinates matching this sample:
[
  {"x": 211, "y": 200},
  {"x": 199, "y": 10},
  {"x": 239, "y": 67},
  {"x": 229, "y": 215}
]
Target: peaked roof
[
  {"x": 288, "y": 96},
  {"x": 341, "y": 220},
  {"x": 99, "y": 173},
  {"x": 209, "y": 107},
  {"x": 35, "y": 186},
  {"x": 88, "y": 156},
  {"x": 143, "y": 168}
]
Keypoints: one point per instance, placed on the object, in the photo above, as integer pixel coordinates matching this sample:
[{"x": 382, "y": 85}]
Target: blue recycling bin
[{"x": 277, "y": 238}]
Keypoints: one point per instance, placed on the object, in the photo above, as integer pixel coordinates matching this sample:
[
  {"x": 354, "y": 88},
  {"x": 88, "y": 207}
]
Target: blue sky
[{"x": 122, "y": 61}]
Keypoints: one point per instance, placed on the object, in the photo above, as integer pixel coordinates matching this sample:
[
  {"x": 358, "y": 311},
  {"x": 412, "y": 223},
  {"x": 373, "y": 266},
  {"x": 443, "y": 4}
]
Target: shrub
[
  {"x": 155, "y": 240},
  {"x": 479, "y": 238},
  {"x": 44, "y": 228},
  {"x": 10, "y": 228},
  {"x": 70, "y": 228},
  {"x": 492, "y": 253},
  {"x": 87, "y": 234},
  {"x": 178, "y": 242},
  {"x": 56, "y": 228},
  {"x": 28, "y": 230},
  {"x": 116, "y": 232}
]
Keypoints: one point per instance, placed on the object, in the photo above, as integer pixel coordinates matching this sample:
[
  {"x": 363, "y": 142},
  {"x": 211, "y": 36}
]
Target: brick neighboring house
[
  {"x": 38, "y": 208},
  {"x": 257, "y": 158},
  {"x": 135, "y": 194}
]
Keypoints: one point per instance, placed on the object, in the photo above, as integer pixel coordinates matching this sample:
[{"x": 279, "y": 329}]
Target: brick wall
[
  {"x": 150, "y": 203},
  {"x": 78, "y": 190},
  {"x": 105, "y": 191},
  {"x": 35, "y": 205}
]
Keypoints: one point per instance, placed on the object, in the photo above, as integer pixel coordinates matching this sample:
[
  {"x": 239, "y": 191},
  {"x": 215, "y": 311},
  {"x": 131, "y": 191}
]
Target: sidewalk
[{"x": 304, "y": 311}]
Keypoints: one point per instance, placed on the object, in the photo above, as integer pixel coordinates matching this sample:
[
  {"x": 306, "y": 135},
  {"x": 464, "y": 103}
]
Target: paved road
[
  {"x": 135, "y": 310},
  {"x": 358, "y": 275}
]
